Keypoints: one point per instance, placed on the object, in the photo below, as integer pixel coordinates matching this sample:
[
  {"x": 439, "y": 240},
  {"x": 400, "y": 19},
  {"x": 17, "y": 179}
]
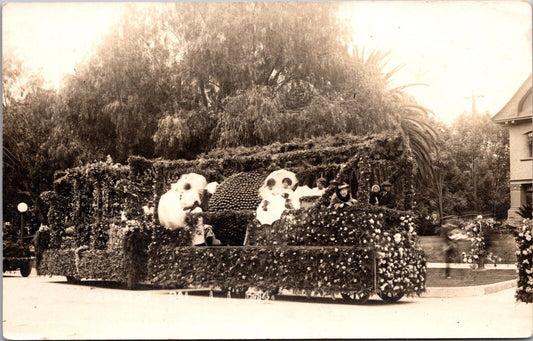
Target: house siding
[
  {"x": 516, "y": 115},
  {"x": 520, "y": 153}
]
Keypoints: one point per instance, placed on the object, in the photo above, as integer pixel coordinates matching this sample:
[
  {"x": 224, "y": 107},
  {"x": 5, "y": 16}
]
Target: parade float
[{"x": 103, "y": 223}]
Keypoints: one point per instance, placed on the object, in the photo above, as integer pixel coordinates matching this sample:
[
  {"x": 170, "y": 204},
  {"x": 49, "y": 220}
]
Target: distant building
[{"x": 516, "y": 115}]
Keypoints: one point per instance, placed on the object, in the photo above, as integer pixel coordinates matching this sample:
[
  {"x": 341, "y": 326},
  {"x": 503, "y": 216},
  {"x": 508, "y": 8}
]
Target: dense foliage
[
  {"x": 87, "y": 199},
  {"x": 324, "y": 226},
  {"x": 470, "y": 172},
  {"x": 84, "y": 204},
  {"x": 34, "y": 142},
  {"x": 177, "y": 80},
  {"x": 524, "y": 290},
  {"x": 198, "y": 76},
  {"x": 526, "y": 211},
  {"x": 325, "y": 270}
]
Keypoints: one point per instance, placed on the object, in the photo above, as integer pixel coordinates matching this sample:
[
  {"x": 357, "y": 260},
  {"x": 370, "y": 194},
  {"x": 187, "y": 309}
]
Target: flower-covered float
[{"x": 103, "y": 222}]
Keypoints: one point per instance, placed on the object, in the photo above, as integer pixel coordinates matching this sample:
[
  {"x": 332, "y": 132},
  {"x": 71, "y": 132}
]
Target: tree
[
  {"x": 482, "y": 153},
  {"x": 449, "y": 190},
  {"x": 229, "y": 47},
  {"x": 117, "y": 96},
  {"x": 204, "y": 75},
  {"x": 176, "y": 80},
  {"x": 34, "y": 144}
]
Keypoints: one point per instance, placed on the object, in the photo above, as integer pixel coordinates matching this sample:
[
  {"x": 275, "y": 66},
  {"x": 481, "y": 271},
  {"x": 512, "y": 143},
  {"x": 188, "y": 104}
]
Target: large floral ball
[{"x": 238, "y": 192}]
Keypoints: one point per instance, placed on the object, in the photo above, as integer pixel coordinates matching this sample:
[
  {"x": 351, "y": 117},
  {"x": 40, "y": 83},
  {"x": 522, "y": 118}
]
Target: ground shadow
[
  {"x": 12, "y": 276},
  {"x": 108, "y": 285},
  {"x": 374, "y": 301}
]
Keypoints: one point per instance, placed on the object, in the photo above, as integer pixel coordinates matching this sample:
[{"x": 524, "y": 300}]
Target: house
[{"x": 516, "y": 115}]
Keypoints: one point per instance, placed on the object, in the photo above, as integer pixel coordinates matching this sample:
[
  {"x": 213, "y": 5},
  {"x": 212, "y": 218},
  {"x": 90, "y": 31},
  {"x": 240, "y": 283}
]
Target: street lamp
[{"x": 22, "y": 207}]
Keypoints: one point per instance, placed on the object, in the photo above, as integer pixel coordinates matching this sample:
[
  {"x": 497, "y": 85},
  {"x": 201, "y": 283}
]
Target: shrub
[
  {"x": 524, "y": 290},
  {"x": 526, "y": 211},
  {"x": 425, "y": 226},
  {"x": 477, "y": 231}
]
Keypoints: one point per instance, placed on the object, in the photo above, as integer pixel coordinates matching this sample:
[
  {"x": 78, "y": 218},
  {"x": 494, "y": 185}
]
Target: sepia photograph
[{"x": 267, "y": 170}]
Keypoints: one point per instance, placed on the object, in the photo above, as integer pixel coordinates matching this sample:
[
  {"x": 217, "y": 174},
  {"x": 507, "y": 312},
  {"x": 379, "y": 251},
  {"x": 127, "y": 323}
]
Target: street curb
[{"x": 479, "y": 290}]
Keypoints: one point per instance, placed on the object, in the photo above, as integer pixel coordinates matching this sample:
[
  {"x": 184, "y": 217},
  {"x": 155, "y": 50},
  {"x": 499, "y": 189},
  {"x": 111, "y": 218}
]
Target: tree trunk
[{"x": 440, "y": 191}]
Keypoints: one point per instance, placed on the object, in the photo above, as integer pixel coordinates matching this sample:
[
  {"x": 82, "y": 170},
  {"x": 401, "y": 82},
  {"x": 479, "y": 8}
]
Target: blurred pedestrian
[{"x": 450, "y": 246}]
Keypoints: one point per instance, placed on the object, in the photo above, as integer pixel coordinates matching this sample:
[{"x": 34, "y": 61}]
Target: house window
[
  {"x": 528, "y": 194},
  {"x": 529, "y": 144}
]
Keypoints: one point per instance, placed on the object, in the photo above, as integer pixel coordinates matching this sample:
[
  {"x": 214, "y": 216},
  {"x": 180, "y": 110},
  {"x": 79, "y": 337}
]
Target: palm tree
[
  {"x": 413, "y": 121},
  {"x": 526, "y": 211}
]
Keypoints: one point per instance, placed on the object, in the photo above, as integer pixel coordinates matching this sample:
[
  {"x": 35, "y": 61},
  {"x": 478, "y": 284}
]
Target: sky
[{"x": 455, "y": 47}]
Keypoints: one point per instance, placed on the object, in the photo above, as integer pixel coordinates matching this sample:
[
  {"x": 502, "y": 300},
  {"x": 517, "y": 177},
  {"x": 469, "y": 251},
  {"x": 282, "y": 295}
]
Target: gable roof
[{"x": 514, "y": 109}]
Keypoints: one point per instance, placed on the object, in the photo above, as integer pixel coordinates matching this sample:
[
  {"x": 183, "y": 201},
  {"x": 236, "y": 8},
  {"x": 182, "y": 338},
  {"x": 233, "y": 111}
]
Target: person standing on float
[{"x": 385, "y": 197}]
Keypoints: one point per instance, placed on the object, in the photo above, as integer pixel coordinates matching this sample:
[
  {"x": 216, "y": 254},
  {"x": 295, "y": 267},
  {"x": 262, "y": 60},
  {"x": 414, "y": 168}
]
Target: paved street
[{"x": 49, "y": 308}]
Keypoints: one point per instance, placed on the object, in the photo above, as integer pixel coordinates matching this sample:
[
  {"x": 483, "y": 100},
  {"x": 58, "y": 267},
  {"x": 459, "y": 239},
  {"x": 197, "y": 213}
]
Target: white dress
[
  {"x": 274, "y": 209},
  {"x": 198, "y": 235}
]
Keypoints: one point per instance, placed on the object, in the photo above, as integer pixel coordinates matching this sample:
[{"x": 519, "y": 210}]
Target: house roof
[{"x": 516, "y": 109}]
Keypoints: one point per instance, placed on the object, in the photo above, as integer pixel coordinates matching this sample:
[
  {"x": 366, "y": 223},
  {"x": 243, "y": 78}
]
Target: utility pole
[
  {"x": 474, "y": 115},
  {"x": 473, "y": 97}
]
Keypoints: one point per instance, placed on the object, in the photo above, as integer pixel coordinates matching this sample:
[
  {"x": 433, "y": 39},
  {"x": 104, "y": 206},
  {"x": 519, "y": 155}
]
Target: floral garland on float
[{"x": 391, "y": 234}]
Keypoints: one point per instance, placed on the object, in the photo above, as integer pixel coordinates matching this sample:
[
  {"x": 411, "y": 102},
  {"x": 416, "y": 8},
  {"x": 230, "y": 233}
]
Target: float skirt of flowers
[
  {"x": 319, "y": 269},
  {"x": 323, "y": 270}
]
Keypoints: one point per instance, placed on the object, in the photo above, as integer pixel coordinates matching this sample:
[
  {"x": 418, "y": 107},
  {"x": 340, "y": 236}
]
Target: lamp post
[{"x": 22, "y": 207}]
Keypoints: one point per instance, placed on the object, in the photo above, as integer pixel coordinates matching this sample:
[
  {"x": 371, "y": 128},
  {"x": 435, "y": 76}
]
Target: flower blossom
[{"x": 397, "y": 237}]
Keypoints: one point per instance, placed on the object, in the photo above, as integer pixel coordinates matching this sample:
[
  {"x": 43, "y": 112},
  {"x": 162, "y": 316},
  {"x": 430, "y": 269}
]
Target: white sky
[{"x": 454, "y": 46}]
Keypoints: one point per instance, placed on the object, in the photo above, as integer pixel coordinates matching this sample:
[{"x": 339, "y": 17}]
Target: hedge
[{"x": 523, "y": 234}]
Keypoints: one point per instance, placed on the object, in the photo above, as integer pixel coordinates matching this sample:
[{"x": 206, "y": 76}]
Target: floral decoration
[
  {"x": 477, "y": 231},
  {"x": 523, "y": 235},
  {"x": 98, "y": 228}
]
